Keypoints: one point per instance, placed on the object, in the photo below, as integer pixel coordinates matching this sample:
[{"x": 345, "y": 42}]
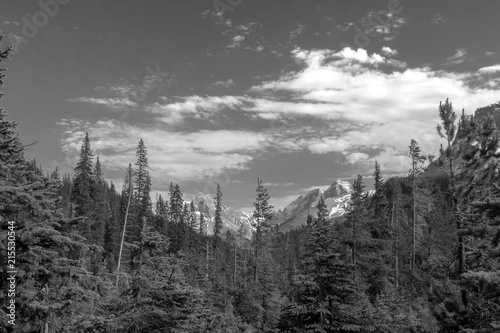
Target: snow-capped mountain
[
  {"x": 232, "y": 219},
  {"x": 295, "y": 214}
]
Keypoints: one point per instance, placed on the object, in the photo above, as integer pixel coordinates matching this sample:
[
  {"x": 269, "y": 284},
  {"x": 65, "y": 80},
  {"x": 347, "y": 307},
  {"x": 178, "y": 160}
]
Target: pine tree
[
  {"x": 193, "y": 223},
  {"x": 202, "y": 229},
  {"x": 99, "y": 187},
  {"x": 379, "y": 201},
  {"x": 218, "y": 211},
  {"x": 82, "y": 187},
  {"x": 326, "y": 297},
  {"x": 160, "y": 298},
  {"x": 447, "y": 130},
  {"x": 417, "y": 161},
  {"x": 262, "y": 214},
  {"x": 113, "y": 228},
  {"x": 354, "y": 214},
  {"x": 142, "y": 188}
]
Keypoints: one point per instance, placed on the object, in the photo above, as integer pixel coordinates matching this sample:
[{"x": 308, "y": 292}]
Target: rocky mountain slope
[
  {"x": 294, "y": 215},
  {"x": 232, "y": 219}
]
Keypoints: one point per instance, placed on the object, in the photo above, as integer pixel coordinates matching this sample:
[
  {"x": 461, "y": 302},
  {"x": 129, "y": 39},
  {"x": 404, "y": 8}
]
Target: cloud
[
  {"x": 177, "y": 110},
  {"x": 172, "y": 155},
  {"x": 222, "y": 84},
  {"x": 112, "y": 103},
  {"x": 296, "y": 32},
  {"x": 374, "y": 26},
  {"x": 490, "y": 69},
  {"x": 388, "y": 51},
  {"x": 438, "y": 19},
  {"x": 459, "y": 57},
  {"x": 365, "y": 106},
  {"x": 236, "y": 42},
  {"x": 392, "y": 106},
  {"x": 269, "y": 184}
]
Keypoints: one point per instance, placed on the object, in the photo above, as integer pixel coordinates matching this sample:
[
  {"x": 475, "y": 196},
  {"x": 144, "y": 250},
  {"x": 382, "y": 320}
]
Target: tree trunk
[
  {"x": 123, "y": 236},
  {"x": 413, "y": 245}
]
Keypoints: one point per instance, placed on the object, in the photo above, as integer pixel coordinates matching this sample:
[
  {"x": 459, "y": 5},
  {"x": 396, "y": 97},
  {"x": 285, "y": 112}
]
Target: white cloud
[
  {"x": 113, "y": 103},
  {"x": 236, "y": 41},
  {"x": 356, "y": 157},
  {"x": 347, "y": 85},
  {"x": 173, "y": 155},
  {"x": 388, "y": 51},
  {"x": 490, "y": 69},
  {"x": 175, "y": 110}
]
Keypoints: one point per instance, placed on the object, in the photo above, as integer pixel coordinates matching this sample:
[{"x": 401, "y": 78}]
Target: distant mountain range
[
  {"x": 233, "y": 220},
  {"x": 295, "y": 214},
  {"x": 291, "y": 217}
]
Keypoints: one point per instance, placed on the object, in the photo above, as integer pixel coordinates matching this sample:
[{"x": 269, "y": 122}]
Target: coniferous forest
[{"x": 419, "y": 253}]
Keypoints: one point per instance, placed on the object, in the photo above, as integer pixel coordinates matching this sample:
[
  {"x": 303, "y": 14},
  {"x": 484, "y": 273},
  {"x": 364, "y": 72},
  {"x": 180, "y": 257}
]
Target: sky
[{"x": 296, "y": 93}]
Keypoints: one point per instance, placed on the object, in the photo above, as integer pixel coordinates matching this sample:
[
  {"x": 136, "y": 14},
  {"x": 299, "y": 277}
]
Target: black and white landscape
[{"x": 250, "y": 166}]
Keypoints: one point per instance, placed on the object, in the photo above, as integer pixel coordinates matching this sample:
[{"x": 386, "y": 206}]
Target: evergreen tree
[
  {"x": 112, "y": 230},
  {"x": 417, "y": 161},
  {"x": 202, "y": 229},
  {"x": 447, "y": 130},
  {"x": 218, "y": 211},
  {"x": 379, "y": 201},
  {"x": 82, "y": 187},
  {"x": 99, "y": 187},
  {"x": 354, "y": 214},
  {"x": 262, "y": 214},
  {"x": 326, "y": 297},
  {"x": 193, "y": 223},
  {"x": 142, "y": 188}
]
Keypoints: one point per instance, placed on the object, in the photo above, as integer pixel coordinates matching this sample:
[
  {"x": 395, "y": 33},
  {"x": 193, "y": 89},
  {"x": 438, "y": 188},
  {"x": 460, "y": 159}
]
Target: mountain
[
  {"x": 295, "y": 214},
  {"x": 232, "y": 219}
]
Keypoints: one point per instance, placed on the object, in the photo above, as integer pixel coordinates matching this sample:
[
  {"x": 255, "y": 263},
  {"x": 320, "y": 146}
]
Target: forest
[{"x": 419, "y": 254}]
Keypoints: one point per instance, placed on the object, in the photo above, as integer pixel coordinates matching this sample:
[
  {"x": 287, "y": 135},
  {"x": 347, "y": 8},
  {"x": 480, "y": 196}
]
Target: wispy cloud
[
  {"x": 438, "y": 19},
  {"x": 459, "y": 57},
  {"x": 113, "y": 103},
  {"x": 222, "y": 84}
]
